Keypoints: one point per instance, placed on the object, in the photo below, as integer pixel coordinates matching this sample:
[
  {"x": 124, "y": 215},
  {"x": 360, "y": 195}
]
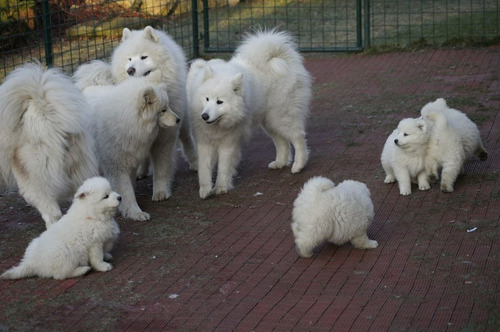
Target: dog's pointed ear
[
  {"x": 126, "y": 34},
  {"x": 149, "y": 97},
  {"x": 150, "y": 33},
  {"x": 208, "y": 73},
  {"x": 422, "y": 125},
  {"x": 80, "y": 195},
  {"x": 237, "y": 84}
]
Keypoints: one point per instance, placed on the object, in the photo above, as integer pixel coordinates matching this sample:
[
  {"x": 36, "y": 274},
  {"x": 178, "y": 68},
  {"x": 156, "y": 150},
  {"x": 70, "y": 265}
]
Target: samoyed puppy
[
  {"x": 446, "y": 152},
  {"x": 265, "y": 83},
  {"x": 79, "y": 241},
  {"x": 126, "y": 121},
  {"x": 45, "y": 148},
  {"x": 337, "y": 214},
  {"x": 143, "y": 53},
  {"x": 404, "y": 153},
  {"x": 467, "y": 130}
]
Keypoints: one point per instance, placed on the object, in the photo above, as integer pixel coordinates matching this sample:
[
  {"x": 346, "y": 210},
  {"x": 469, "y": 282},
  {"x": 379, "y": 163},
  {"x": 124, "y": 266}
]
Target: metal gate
[{"x": 318, "y": 25}]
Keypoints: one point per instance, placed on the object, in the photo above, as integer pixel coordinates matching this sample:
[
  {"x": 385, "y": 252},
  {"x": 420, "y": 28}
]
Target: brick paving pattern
[{"x": 229, "y": 262}]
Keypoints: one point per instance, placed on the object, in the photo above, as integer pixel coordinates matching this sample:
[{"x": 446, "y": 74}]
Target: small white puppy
[
  {"x": 338, "y": 214},
  {"x": 403, "y": 156},
  {"x": 79, "y": 241}
]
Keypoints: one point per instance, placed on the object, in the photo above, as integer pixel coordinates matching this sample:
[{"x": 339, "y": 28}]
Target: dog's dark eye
[
  {"x": 106, "y": 197},
  {"x": 405, "y": 134},
  {"x": 219, "y": 102},
  {"x": 206, "y": 98},
  {"x": 129, "y": 59},
  {"x": 164, "y": 111},
  {"x": 144, "y": 57}
]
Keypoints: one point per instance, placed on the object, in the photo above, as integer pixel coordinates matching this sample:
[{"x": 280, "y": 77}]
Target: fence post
[
  {"x": 194, "y": 17},
  {"x": 367, "y": 24},
  {"x": 47, "y": 37}
]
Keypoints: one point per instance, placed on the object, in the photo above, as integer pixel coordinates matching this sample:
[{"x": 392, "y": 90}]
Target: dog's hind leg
[
  {"x": 188, "y": 146},
  {"x": 363, "y": 242},
  {"x": 43, "y": 201},
  {"x": 448, "y": 176},
  {"x": 282, "y": 151},
  {"x": 301, "y": 153},
  {"x": 163, "y": 153},
  {"x": 78, "y": 272}
]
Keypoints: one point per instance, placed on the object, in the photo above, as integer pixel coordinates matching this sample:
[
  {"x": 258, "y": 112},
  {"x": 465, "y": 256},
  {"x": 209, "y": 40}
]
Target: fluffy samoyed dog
[
  {"x": 142, "y": 53},
  {"x": 467, "y": 130},
  {"x": 265, "y": 83},
  {"x": 77, "y": 243},
  {"x": 126, "y": 121},
  {"x": 337, "y": 214},
  {"x": 404, "y": 153},
  {"x": 45, "y": 149}
]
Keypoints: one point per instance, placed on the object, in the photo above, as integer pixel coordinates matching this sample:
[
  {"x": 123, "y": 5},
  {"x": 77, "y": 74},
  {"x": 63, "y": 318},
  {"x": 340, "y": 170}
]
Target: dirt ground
[{"x": 229, "y": 262}]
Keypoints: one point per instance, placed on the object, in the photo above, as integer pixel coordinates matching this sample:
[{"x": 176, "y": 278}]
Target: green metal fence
[{"x": 66, "y": 33}]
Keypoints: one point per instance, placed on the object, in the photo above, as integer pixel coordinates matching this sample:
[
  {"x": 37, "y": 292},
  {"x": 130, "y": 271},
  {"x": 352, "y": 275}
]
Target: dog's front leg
[
  {"x": 206, "y": 162},
  {"x": 229, "y": 158},
  {"x": 96, "y": 258},
  {"x": 404, "y": 180},
  {"x": 129, "y": 207}
]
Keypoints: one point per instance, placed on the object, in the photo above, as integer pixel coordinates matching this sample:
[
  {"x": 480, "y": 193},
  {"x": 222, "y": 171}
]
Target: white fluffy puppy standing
[
  {"x": 446, "y": 152},
  {"x": 126, "y": 121},
  {"x": 337, "y": 214},
  {"x": 469, "y": 134},
  {"x": 77, "y": 243},
  {"x": 404, "y": 153},
  {"x": 265, "y": 83},
  {"x": 144, "y": 53},
  {"x": 45, "y": 149}
]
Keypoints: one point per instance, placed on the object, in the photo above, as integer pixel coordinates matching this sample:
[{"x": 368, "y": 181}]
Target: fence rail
[{"x": 66, "y": 33}]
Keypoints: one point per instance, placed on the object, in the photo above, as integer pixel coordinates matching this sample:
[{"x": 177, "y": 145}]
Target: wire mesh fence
[{"x": 66, "y": 33}]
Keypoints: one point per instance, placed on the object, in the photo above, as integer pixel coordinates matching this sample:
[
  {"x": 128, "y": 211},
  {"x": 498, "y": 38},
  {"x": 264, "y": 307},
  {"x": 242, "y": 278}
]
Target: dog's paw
[
  {"x": 371, "y": 244},
  {"x": 160, "y": 196},
  {"x": 108, "y": 256},
  {"x": 103, "y": 267},
  {"x": 389, "y": 179},
  {"x": 446, "y": 188},
  {"x": 424, "y": 187},
  {"x": 277, "y": 165},
  {"x": 139, "y": 216},
  {"x": 405, "y": 192},
  {"x": 205, "y": 191},
  {"x": 297, "y": 168}
]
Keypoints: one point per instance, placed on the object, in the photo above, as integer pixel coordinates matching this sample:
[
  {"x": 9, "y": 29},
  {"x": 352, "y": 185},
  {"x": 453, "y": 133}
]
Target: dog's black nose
[
  {"x": 119, "y": 198},
  {"x": 178, "y": 120},
  {"x": 396, "y": 141},
  {"x": 205, "y": 116},
  {"x": 131, "y": 71}
]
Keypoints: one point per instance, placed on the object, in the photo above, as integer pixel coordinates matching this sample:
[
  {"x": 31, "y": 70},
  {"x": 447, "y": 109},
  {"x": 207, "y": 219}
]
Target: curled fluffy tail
[
  {"x": 269, "y": 50},
  {"x": 18, "y": 272}
]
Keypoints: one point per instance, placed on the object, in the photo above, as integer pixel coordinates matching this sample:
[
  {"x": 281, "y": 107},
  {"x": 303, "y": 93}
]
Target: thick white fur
[
  {"x": 94, "y": 73},
  {"x": 45, "y": 149},
  {"x": 140, "y": 54},
  {"x": 126, "y": 121},
  {"x": 265, "y": 83},
  {"x": 403, "y": 156},
  {"x": 338, "y": 214},
  {"x": 467, "y": 130},
  {"x": 446, "y": 152},
  {"x": 79, "y": 241}
]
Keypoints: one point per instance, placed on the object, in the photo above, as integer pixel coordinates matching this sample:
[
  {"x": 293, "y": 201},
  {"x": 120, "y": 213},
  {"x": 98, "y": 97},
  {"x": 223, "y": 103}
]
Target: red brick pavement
[{"x": 229, "y": 263}]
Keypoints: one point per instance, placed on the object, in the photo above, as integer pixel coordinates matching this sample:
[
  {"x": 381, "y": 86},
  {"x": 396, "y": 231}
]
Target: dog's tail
[
  {"x": 49, "y": 112},
  {"x": 17, "y": 272},
  {"x": 270, "y": 50}
]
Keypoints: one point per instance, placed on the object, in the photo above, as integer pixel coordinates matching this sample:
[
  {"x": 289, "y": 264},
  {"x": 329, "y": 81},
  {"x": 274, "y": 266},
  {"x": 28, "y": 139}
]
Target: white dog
[
  {"x": 265, "y": 83},
  {"x": 338, "y": 214},
  {"x": 126, "y": 121},
  {"x": 79, "y": 241},
  {"x": 45, "y": 149},
  {"x": 446, "y": 152},
  {"x": 142, "y": 53},
  {"x": 404, "y": 153},
  {"x": 469, "y": 134}
]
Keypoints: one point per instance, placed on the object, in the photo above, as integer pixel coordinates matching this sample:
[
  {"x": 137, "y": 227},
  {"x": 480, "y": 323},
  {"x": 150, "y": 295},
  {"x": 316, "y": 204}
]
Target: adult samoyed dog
[
  {"x": 144, "y": 53},
  {"x": 45, "y": 148},
  {"x": 337, "y": 214},
  {"x": 404, "y": 154},
  {"x": 265, "y": 83},
  {"x": 126, "y": 120},
  {"x": 79, "y": 241}
]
